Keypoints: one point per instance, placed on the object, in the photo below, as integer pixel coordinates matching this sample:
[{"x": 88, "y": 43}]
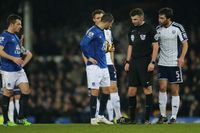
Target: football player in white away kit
[{"x": 171, "y": 60}]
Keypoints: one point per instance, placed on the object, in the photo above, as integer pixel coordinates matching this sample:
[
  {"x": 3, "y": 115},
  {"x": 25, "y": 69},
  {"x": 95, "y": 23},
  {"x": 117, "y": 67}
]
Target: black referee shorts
[{"x": 138, "y": 74}]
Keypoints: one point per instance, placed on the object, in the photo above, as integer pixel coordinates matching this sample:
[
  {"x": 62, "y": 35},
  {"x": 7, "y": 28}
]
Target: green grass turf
[{"x": 86, "y": 128}]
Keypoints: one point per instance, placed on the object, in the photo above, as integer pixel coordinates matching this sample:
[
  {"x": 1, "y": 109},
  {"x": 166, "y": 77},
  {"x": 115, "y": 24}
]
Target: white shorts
[
  {"x": 97, "y": 77},
  {"x": 12, "y": 79}
]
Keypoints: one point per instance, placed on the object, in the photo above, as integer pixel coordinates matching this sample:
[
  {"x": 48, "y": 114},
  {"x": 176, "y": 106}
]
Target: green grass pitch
[{"x": 87, "y": 128}]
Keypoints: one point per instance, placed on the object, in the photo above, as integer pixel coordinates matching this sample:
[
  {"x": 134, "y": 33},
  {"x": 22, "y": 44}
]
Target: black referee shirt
[{"x": 141, "y": 38}]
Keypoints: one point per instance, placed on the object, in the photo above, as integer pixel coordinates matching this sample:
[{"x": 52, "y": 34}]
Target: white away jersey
[
  {"x": 108, "y": 36},
  {"x": 168, "y": 41}
]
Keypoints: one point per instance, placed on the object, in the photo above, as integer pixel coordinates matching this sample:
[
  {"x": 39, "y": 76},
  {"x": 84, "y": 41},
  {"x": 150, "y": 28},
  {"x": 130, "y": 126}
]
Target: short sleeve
[
  {"x": 153, "y": 35},
  {"x": 182, "y": 34},
  {"x": 130, "y": 38},
  {"x": 3, "y": 40}
]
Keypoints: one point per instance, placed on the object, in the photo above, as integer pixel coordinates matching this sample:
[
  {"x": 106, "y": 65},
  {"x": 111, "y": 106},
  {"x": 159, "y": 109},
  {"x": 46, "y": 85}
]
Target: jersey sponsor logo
[
  {"x": 132, "y": 38},
  {"x": 90, "y": 34},
  {"x": 142, "y": 37},
  {"x": 1, "y": 39}
]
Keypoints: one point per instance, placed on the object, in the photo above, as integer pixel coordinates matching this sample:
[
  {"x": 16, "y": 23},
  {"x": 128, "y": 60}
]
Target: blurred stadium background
[{"x": 56, "y": 73}]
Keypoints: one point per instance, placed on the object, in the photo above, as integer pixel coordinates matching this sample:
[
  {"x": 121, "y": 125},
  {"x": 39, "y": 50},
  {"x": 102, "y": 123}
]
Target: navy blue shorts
[
  {"x": 171, "y": 73},
  {"x": 112, "y": 72}
]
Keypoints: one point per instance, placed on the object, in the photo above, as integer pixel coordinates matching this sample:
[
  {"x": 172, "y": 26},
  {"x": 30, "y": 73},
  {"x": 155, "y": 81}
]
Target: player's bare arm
[
  {"x": 84, "y": 58},
  {"x": 151, "y": 65},
  {"x": 112, "y": 56},
  {"x": 16, "y": 60},
  {"x": 128, "y": 58},
  {"x": 92, "y": 60},
  {"x": 27, "y": 58},
  {"x": 183, "y": 53}
]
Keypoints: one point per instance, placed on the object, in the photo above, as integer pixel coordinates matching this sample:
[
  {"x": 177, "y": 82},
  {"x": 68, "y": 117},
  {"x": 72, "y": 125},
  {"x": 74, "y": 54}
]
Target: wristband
[{"x": 153, "y": 62}]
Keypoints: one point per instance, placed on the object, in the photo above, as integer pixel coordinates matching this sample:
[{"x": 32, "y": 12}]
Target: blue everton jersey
[
  {"x": 93, "y": 45},
  {"x": 11, "y": 44}
]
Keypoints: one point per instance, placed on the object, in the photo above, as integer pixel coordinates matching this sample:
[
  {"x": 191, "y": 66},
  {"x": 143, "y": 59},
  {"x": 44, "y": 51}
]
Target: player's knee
[
  {"x": 17, "y": 97},
  {"x": 26, "y": 91},
  {"x": 175, "y": 90},
  {"x": 94, "y": 92},
  {"x": 163, "y": 88},
  {"x": 132, "y": 91},
  {"x": 105, "y": 90},
  {"x": 148, "y": 90},
  {"x": 7, "y": 93},
  {"x": 113, "y": 88}
]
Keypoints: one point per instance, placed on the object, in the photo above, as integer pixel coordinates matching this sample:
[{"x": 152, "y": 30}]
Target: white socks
[
  {"x": 175, "y": 106},
  {"x": 163, "y": 103},
  {"x": 17, "y": 105},
  {"x": 115, "y": 100},
  {"x": 109, "y": 108},
  {"x": 11, "y": 111}
]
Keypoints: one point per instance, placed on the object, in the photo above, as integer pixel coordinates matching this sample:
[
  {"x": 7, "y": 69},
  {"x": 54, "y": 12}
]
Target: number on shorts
[{"x": 178, "y": 75}]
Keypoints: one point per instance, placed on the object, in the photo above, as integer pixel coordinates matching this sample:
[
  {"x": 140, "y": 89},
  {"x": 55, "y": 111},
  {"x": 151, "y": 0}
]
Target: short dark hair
[
  {"x": 107, "y": 17},
  {"x": 12, "y": 18},
  {"x": 168, "y": 12},
  {"x": 97, "y": 11},
  {"x": 136, "y": 11}
]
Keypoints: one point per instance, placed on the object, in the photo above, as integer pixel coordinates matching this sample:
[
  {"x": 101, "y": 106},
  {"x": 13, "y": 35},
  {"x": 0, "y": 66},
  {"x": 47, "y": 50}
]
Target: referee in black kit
[{"x": 140, "y": 62}]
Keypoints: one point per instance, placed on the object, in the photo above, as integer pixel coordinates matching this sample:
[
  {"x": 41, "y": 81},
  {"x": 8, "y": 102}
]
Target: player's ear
[{"x": 142, "y": 17}]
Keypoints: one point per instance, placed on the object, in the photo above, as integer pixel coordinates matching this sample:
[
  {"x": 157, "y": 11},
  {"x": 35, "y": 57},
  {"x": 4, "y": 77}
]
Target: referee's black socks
[
  {"x": 5, "y": 106},
  {"x": 132, "y": 107},
  {"x": 103, "y": 103},
  {"x": 148, "y": 106}
]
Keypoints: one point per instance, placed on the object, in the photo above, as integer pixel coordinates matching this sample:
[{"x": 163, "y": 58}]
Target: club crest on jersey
[
  {"x": 173, "y": 31},
  {"x": 1, "y": 39},
  {"x": 90, "y": 34},
  {"x": 132, "y": 38},
  {"x": 142, "y": 37}
]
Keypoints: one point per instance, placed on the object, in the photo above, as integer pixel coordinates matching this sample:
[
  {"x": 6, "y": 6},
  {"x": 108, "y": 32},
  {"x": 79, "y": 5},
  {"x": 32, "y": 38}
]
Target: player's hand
[
  {"x": 151, "y": 67},
  {"x": 112, "y": 49},
  {"x": 126, "y": 67},
  {"x": 180, "y": 62},
  {"x": 18, "y": 61},
  {"x": 92, "y": 60}
]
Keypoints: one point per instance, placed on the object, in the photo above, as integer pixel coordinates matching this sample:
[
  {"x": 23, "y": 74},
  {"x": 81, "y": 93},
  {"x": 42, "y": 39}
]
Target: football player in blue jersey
[
  {"x": 12, "y": 70},
  {"x": 13, "y": 110},
  {"x": 93, "y": 47}
]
